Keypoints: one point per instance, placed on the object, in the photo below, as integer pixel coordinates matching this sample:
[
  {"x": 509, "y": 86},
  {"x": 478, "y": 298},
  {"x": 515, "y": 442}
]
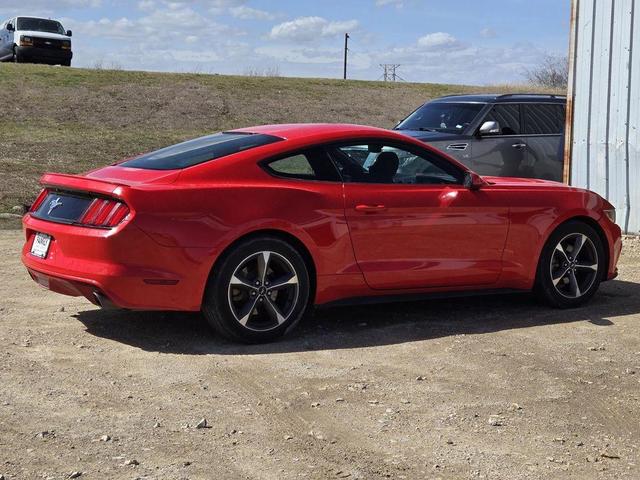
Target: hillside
[{"x": 71, "y": 120}]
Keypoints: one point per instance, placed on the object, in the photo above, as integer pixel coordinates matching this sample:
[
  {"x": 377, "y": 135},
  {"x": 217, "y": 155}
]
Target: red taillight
[
  {"x": 104, "y": 212},
  {"x": 39, "y": 199}
]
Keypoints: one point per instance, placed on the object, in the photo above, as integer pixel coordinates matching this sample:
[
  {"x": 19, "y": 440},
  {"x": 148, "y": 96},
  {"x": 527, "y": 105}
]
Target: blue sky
[{"x": 464, "y": 41}]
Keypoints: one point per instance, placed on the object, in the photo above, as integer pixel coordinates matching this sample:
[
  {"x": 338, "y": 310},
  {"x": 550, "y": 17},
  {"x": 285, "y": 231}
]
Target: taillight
[
  {"x": 39, "y": 199},
  {"x": 104, "y": 212}
]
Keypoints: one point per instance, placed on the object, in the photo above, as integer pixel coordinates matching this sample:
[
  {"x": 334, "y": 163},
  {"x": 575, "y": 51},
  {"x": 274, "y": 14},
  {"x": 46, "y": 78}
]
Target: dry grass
[{"x": 72, "y": 120}]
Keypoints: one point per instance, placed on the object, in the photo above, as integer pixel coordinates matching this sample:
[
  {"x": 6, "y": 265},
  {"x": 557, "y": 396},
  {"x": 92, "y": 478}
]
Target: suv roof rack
[
  {"x": 502, "y": 95},
  {"x": 547, "y": 95}
]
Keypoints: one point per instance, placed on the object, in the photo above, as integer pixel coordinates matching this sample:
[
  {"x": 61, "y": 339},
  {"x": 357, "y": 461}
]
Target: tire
[
  {"x": 66, "y": 63},
  {"x": 563, "y": 279},
  {"x": 242, "y": 302},
  {"x": 16, "y": 58}
]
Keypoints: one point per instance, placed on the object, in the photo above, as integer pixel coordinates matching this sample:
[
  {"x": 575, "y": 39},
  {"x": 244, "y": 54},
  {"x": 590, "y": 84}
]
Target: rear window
[{"x": 200, "y": 150}]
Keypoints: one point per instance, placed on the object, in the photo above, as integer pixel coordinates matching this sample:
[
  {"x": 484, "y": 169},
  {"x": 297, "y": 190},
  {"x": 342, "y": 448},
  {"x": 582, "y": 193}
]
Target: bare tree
[{"x": 552, "y": 72}]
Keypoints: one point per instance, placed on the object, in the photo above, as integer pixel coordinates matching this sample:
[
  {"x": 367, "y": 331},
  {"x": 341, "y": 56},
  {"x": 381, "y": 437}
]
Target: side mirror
[
  {"x": 473, "y": 181},
  {"x": 10, "y": 27},
  {"x": 489, "y": 128},
  {"x": 69, "y": 33}
]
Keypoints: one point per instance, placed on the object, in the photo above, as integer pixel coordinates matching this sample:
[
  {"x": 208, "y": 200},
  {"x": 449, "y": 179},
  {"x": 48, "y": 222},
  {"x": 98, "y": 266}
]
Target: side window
[
  {"x": 544, "y": 119},
  {"x": 375, "y": 163},
  {"x": 298, "y": 165},
  {"x": 507, "y": 116},
  {"x": 312, "y": 164}
]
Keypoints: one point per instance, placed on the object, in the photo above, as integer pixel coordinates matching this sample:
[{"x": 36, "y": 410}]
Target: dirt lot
[{"x": 495, "y": 387}]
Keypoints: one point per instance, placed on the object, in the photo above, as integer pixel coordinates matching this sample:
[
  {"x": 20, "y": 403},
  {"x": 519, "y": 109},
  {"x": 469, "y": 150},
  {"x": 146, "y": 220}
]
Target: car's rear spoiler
[{"x": 80, "y": 184}]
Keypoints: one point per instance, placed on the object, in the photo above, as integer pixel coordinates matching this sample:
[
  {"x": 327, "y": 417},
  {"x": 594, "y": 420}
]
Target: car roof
[
  {"x": 502, "y": 98},
  {"x": 308, "y": 134},
  {"x": 294, "y": 131}
]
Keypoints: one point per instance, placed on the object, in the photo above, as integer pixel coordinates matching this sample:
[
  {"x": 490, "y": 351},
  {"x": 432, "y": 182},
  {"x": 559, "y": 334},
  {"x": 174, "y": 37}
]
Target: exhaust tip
[{"x": 103, "y": 302}]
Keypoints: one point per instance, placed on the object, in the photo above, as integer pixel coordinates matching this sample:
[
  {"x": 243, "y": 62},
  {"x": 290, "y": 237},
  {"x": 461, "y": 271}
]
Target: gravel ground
[{"x": 494, "y": 387}]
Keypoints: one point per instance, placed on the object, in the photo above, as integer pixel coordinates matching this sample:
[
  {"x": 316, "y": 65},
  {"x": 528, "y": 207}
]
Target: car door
[
  {"x": 543, "y": 127},
  {"x": 501, "y": 154},
  {"x": 419, "y": 227}
]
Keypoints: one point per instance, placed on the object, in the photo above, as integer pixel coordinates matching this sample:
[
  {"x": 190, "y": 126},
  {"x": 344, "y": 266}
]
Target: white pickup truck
[{"x": 35, "y": 40}]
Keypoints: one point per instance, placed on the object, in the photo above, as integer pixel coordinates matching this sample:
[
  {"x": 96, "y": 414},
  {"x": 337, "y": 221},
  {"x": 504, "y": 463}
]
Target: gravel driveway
[{"x": 492, "y": 387}]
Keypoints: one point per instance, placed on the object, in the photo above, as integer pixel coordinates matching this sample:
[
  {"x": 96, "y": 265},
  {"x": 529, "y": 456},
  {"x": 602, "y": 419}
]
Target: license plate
[{"x": 40, "y": 246}]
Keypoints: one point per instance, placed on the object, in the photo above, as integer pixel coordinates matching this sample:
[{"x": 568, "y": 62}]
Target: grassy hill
[{"x": 71, "y": 120}]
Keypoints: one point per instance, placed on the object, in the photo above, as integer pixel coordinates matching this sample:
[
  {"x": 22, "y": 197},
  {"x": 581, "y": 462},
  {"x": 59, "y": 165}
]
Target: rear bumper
[
  {"x": 72, "y": 288},
  {"x": 44, "y": 54},
  {"x": 121, "y": 266}
]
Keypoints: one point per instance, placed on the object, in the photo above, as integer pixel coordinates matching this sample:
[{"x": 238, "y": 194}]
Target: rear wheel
[
  {"x": 258, "y": 291},
  {"x": 571, "y": 266}
]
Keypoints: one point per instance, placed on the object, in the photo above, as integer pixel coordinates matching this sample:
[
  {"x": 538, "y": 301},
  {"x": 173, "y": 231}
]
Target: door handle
[
  {"x": 519, "y": 146},
  {"x": 370, "y": 208}
]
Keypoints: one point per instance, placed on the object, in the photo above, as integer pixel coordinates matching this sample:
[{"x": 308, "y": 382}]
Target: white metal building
[{"x": 603, "y": 147}]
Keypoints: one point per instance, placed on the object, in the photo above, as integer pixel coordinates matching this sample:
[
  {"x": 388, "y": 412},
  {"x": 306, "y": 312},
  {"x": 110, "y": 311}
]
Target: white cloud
[
  {"x": 247, "y": 13},
  {"x": 384, "y": 3},
  {"x": 45, "y": 7},
  {"x": 314, "y": 55},
  {"x": 146, "y": 5},
  {"x": 448, "y": 62},
  {"x": 438, "y": 40},
  {"x": 105, "y": 27},
  {"x": 488, "y": 33},
  {"x": 311, "y": 28},
  {"x": 159, "y": 28}
]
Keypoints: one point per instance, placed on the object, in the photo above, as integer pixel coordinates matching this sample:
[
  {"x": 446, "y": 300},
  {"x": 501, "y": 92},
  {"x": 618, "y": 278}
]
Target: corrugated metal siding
[{"x": 605, "y": 87}]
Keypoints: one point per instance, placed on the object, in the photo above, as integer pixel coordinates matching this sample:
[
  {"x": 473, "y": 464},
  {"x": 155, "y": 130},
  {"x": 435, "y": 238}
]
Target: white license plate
[{"x": 40, "y": 245}]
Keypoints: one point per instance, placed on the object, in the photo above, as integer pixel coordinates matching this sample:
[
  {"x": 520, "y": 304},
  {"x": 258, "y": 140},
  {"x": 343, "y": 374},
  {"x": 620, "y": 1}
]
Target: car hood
[
  {"x": 522, "y": 182},
  {"x": 35, "y": 33},
  {"x": 430, "y": 136}
]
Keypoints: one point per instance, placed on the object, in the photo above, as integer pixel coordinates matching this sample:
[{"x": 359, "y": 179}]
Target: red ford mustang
[{"x": 253, "y": 226}]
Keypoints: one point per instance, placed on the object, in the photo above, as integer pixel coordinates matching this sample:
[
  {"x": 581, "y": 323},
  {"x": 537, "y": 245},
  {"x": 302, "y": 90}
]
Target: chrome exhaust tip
[{"x": 103, "y": 302}]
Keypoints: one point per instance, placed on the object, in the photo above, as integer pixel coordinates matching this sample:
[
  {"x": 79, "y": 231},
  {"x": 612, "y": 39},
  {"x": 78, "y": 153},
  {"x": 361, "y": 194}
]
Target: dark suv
[{"x": 514, "y": 135}]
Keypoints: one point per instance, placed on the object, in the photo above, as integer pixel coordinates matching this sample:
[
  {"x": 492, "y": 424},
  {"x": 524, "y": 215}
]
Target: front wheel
[
  {"x": 258, "y": 291},
  {"x": 571, "y": 266}
]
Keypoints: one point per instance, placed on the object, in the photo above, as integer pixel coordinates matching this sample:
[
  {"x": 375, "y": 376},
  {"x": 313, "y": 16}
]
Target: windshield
[
  {"x": 40, "y": 25},
  {"x": 442, "y": 117}
]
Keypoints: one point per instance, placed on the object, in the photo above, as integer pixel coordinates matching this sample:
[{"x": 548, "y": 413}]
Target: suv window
[
  {"x": 313, "y": 164},
  {"x": 376, "y": 163},
  {"x": 507, "y": 116},
  {"x": 544, "y": 119}
]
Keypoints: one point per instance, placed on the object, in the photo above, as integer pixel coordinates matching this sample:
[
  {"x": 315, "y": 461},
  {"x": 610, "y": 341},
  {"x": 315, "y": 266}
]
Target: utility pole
[{"x": 346, "y": 50}]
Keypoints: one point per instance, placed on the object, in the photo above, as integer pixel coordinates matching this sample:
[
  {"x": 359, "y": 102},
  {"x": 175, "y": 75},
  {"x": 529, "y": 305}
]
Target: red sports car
[{"x": 253, "y": 226}]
